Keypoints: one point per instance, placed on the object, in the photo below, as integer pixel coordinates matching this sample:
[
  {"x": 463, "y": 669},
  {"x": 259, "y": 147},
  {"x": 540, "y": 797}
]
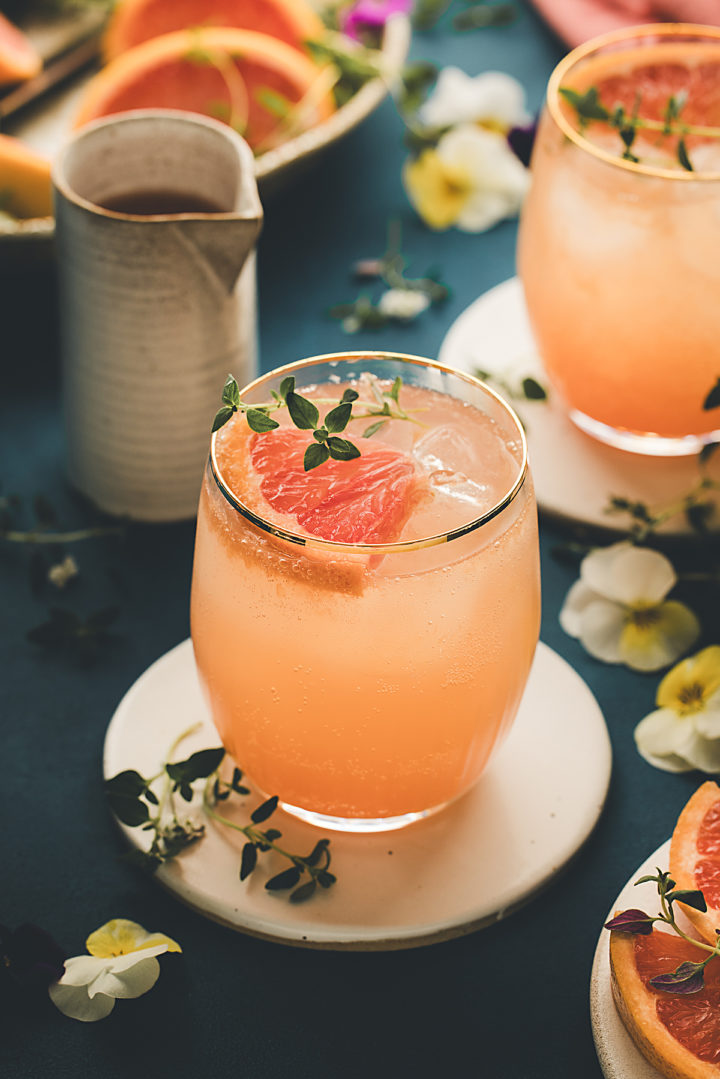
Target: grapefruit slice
[
  {"x": 135, "y": 21},
  {"x": 25, "y": 189},
  {"x": 679, "y": 1035},
  {"x": 233, "y": 75},
  {"x": 366, "y": 500},
  {"x": 695, "y": 856},
  {"x": 19, "y": 60},
  {"x": 657, "y": 83}
]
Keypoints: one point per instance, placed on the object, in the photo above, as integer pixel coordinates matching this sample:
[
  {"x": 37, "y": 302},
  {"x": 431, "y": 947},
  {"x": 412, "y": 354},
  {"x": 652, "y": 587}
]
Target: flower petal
[
  {"x": 82, "y": 969},
  {"x": 702, "y": 669},
  {"x": 629, "y": 574},
  {"x": 436, "y": 191},
  {"x": 74, "y": 1001},
  {"x": 121, "y": 937},
  {"x": 492, "y": 98},
  {"x": 707, "y": 722},
  {"x": 658, "y": 644},
  {"x": 703, "y": 753},
  {"x": 577, "y": 599},
  {"x": 601, "y": 626},
  {"x": 132, "y": 981},
  {"x": 662, "y": 733}
]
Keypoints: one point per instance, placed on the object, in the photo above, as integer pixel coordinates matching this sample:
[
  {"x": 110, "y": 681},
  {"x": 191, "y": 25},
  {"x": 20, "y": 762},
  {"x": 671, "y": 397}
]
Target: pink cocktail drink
[
  {"x": 618, "y": 254},
  {"x": 364, "y": 631}
]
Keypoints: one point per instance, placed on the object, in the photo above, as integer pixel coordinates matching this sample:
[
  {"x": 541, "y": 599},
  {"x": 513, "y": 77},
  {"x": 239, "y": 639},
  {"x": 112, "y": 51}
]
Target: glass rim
[
  {"x": 552, "y": 96},
  {"x": 317, "y": 542}
]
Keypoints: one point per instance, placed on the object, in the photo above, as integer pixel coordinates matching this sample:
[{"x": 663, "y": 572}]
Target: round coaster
[
  {"x": 618, "y": 1055},
  {"x": 443, "y": 876},
  {"x": 574, "y": 474}
]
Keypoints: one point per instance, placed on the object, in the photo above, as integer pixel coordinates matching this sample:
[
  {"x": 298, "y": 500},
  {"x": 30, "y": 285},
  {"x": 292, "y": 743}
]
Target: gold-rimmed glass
[
  {"x": 618, "y": 258},
  {"x": 369, "y": 684}
]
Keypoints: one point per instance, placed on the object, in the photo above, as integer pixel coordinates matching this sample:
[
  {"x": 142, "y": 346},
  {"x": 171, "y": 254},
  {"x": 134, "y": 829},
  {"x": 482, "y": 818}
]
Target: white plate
[
  {"x": 46, "y": 126},
  {"x": 450, "y": 874},
  {"x": 574, "y": 474}
]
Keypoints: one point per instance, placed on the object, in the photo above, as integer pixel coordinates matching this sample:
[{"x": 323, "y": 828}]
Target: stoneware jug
[{"x": 157, "y": 305}]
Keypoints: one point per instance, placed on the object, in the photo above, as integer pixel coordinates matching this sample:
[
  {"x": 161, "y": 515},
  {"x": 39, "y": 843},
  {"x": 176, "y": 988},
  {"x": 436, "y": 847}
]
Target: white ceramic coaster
[
  {"x": 619, "y": 1058},
  {"x": 574, "y": 474},
  {"x": 449, "y": 874}
]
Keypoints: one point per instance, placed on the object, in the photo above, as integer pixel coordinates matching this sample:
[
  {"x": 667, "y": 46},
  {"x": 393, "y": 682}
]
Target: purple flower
[
  {"x": 521, "y": 140},
  {"x": 369, "y": 15},
  {"x": 30, "y": 956},
  {"x": 631, "y": 921}
]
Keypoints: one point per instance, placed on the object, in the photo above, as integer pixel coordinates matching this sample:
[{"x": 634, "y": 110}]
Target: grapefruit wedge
[
  {"x": 365, "y": 500},
  {"x": 25, "y": 189},
  {"x": 251, "y": 80},
  {"x": 135, "y": 21},
  {"x": 19, "y": 60},
  {"x": 695, "y": 856},
  {"x": 679, "y": 1035}
]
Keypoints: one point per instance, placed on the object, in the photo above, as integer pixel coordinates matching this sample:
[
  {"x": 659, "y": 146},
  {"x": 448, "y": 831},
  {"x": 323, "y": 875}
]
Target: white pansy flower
[
  {"x": 492, "y": 99},
  {"x": 684, "y": 732},
  {"x": 471, "y": 179},
  {"x": 619, "y": 611},
  {"x": 62, "y": 572},
  {"x": 121, "y": 964},
  {"x": 403, "y": 303}
]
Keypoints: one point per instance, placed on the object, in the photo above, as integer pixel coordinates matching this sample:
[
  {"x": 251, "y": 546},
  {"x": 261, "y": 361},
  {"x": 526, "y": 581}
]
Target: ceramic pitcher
[{"x": 155, "y": 308}]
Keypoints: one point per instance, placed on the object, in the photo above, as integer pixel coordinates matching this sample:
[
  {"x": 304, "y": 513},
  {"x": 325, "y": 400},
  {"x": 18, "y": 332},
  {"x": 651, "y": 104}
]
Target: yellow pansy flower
[{"x": 684, "y": 732}]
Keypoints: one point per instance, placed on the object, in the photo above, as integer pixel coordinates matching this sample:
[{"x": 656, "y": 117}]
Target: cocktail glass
[
  {"x": 618, "y": 255},
  {"x": 368, "y": 684}
]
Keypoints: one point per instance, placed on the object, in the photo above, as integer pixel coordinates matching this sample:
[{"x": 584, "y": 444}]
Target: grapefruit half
[
  {"x": 135, "y": 21},
  {"x": 19, "y": 59},
  {"x": 238, "y": 76},
  {"x": 679, "y": 1035},
  {"x": 695, "y": 856}
]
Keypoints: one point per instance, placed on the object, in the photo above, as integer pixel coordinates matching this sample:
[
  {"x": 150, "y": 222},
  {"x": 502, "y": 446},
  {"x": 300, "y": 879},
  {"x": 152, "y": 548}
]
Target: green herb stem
[{"x": 37, "y": 536}]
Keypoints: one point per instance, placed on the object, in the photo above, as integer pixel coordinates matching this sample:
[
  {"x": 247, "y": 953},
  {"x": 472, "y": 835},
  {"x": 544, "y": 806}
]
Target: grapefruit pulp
[
  {"x": 365, "y": 500},
  {"x": 225, "y": 73},
  {"x": 679, "y": 1035},
  {"x": 135, "y": 21},
  {"x": 695, "y": 856}
]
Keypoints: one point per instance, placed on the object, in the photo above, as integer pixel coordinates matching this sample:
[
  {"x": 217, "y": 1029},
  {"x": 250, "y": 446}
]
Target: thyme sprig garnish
[
  {"x": 305, "y": 415},
  {"x": 152, "y": 805},
  {"x": 45, "y": 530},
  {"x": 688, "y": 977},
  {"x": 590, "y": 109}
]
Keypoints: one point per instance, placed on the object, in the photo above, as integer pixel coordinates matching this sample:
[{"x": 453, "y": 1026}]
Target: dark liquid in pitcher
[{"x": 151, "y": 203}]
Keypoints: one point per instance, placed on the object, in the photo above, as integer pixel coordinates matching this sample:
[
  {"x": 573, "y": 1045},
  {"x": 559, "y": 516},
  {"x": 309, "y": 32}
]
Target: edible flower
[
  {"x": 493, "y": 100},
  {"x": 121, "y": 964},
  {"x": 471, "y": 179},
  {"x": 62, "y": 572},
  {"x": 684, "y": 732},
  {"x": 370, "y": 15},
  {"x": 403, "y": 304},
  {"x": 619, "y": 612}
]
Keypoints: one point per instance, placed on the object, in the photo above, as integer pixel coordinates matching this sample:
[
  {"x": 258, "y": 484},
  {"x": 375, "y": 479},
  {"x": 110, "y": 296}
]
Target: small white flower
[
  {"x": 62, "y": 572},
  {"x": 121, "y": 964},
  {"x": 684, "y": 732},
  {"x": 351, "y": 324},
  {"x": 403, "y": 303},
  {"x": 619, "y": 611},
  {"x": 472, "y": 179},
  {"x": 492, "y": 99}
]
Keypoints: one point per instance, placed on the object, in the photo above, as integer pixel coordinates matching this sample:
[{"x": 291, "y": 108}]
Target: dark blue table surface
[{"x": 509, "y": 1002}]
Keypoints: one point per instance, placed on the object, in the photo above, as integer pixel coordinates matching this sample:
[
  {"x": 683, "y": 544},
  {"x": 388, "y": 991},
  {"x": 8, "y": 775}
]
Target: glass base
[
  {"x": 359, "y": 825},
  {"x": 649, "y": 444}
]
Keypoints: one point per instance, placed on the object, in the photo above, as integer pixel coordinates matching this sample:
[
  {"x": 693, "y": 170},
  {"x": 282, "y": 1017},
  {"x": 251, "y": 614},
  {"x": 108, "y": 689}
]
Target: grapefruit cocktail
[
  {"x": 620, "y": 233},
  {"x": 364, "y": 627}
]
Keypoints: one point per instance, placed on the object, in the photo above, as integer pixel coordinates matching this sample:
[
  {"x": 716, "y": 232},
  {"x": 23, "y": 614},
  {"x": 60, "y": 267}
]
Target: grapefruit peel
[{"x": 695, "y": 853}]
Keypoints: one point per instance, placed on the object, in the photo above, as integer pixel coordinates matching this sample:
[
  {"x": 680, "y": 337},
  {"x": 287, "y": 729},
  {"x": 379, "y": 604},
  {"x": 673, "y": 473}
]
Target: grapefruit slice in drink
[
  {"x": 695, "y": 856},
  {"x": 135, "y": 21},
  {"x": 238, "y": 76},
  {"x": 679, "y": 1035},
  {"x": 19, "y": 60},
  {"x": 364, "y": 500}
]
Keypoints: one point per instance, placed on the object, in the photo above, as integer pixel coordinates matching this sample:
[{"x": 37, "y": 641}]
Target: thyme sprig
[
  {"x": 688, "y": 977},
  {"x": 305, "y": 415},
  {"x": 590, "y": 109},
  {"x": 152, "y": 805}
]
